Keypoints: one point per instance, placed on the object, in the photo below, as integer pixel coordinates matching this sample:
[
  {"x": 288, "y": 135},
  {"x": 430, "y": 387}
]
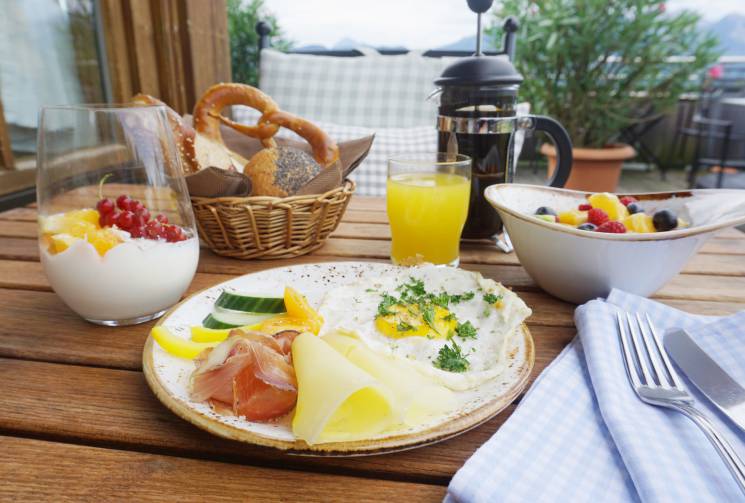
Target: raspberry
[
  {"x": 626, "y": 200},
  {"x": 597, "y": 216},
  {"x": 585, "y": 207},
  {"x": 612, "y": 227}
]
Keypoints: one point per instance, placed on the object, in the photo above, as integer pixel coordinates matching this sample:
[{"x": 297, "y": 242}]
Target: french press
[{"x": 477, "y": 117}]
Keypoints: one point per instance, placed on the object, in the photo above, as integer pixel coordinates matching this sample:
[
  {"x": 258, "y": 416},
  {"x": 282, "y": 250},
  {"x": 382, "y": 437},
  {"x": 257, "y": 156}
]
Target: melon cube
[
  {"x": 639, "y": 222},
  {"x": 573, "y": 217}
]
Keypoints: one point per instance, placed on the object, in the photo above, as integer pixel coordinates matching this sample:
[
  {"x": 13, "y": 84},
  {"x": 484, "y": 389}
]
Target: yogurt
[{"x": 134, "y": 279}]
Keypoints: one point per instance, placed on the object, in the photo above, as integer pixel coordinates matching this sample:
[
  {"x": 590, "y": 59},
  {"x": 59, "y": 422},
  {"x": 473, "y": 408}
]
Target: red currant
[
  {"x": 123, "y": 202},
  {"x": 136, "y": 206},
  {"x": 144, "y": 214},
  {"x": 105, "y": 206},
  {"x": 109, "y": 219},
  {"x": 172, "y": 233},
  {"x": 125, "y": 220},
  {"x": 137, "y": 231},
  {"x": 153, "y": 229},
  {"x": 160, "y": 217}
]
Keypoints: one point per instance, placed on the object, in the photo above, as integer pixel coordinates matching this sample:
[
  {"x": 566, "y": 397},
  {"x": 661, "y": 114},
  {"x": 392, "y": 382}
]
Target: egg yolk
[{"x": 408, "y": 320}]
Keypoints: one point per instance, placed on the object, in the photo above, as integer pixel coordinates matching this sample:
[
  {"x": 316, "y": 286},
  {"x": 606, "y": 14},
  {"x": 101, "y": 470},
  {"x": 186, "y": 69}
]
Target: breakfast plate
[{"x": 169, "y": 376}]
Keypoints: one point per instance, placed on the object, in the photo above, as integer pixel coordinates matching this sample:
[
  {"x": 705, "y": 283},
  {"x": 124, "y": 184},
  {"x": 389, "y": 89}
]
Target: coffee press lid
[{"x": 480, "y": 71}]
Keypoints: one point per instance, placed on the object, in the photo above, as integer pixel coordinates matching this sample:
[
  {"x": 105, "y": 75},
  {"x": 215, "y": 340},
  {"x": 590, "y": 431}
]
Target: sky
[{"x": 416, "y": 24}]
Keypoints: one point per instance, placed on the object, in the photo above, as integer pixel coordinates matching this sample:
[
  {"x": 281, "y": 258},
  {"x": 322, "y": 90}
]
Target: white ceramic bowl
[{"x": 577, "y": 265}]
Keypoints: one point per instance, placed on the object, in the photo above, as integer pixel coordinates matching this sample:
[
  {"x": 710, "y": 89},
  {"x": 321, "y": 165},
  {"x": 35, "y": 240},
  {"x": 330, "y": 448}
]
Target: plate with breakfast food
[{"x": 342, "y": 358}]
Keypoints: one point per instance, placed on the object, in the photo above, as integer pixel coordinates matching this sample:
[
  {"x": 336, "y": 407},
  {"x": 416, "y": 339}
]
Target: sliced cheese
[
  {"x": 337, "y": 401},
  {"x": 418, "y": 397}
]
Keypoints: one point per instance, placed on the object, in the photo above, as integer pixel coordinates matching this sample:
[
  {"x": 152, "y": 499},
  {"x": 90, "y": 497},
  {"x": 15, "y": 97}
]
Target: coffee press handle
[{"x": 563, "y": 146}]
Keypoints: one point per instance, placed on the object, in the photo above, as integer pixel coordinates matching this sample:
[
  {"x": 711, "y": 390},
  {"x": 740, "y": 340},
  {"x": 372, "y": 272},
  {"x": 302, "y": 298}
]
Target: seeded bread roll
[{"x": 280, "y": 171}]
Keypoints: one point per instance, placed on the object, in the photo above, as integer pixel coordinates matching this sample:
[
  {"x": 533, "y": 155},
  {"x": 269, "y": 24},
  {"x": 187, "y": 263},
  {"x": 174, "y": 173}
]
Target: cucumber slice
[
  {"x": 210, "y": 322},
  {"x": 236, "y": 301},
  {"x": 237, "y": 318}
]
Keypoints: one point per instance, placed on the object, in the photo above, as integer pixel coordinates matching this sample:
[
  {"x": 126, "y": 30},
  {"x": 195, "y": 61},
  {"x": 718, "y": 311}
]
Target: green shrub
[
  {"x": 244, "y": 41},
  {"x": 598, "y": 66}
]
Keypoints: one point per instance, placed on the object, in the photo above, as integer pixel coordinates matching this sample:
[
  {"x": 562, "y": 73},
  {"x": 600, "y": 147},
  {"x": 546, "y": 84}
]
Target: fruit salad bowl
[{"x": 577, "y": 265}]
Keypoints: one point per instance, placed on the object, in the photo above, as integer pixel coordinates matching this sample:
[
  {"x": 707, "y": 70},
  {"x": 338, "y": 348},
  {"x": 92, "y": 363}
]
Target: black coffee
[{"x": 492, "y": 162}]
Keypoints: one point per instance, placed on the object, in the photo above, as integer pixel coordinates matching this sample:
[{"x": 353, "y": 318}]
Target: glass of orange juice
[{"x": 427, "y": 202}]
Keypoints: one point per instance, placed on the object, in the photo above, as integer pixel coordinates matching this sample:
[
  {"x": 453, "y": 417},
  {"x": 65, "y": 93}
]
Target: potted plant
[{"x": 598, "y": 66}]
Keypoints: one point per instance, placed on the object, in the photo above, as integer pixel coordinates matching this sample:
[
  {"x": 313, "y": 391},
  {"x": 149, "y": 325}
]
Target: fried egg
[{"x": 454, "y": 326}]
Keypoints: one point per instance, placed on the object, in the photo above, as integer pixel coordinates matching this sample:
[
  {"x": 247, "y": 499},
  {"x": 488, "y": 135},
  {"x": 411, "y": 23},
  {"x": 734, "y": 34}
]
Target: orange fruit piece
[
  {"x": 103, "y": 240},
  {"x": 297, "y": 307}
]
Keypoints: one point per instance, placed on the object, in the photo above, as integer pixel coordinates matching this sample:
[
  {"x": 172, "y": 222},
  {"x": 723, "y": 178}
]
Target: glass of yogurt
[{"x": 116, "y": 230}]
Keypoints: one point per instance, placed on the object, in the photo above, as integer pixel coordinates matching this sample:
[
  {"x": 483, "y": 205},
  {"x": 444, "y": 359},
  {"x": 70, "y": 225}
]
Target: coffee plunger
[{"x": 477, "y": 117}]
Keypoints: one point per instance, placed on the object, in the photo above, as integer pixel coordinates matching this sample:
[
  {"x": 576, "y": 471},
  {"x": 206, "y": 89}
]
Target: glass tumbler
[
  {"x": 427, "y": 202},
  {"x": 116, "y": 230}
]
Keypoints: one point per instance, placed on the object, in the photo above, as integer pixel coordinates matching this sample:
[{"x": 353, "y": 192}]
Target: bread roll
[{"x": 280, "y": 171}]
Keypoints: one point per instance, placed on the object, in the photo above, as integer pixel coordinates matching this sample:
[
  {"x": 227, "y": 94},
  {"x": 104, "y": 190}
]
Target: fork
[{"x": 655, "y": 382}]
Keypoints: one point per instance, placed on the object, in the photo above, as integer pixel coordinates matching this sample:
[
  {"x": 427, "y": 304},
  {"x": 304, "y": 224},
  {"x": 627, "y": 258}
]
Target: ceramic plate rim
[{"x": 443, "y": 431}]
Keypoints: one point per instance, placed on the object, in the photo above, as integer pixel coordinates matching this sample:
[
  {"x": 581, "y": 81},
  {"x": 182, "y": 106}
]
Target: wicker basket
[{"x": 270, "y": 227}]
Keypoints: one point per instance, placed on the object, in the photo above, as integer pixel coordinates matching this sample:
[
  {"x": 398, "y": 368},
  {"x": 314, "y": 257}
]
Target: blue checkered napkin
[
  {"x": 666, "y": 455},
  {"x": 581, "y": 434}
]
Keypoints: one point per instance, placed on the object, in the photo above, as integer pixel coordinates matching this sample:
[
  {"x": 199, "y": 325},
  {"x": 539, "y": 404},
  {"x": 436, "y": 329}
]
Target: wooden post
[
  {"x": 172, "y": 49},
  {"x": 6, "y": 149}
]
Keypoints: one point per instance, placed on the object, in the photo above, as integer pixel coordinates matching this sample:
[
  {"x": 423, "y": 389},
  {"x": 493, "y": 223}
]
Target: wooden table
[{"x": 78, "y": 422}]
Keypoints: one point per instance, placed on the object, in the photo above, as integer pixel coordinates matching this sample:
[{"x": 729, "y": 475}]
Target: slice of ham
[
  {"x": 267, "y": 390},
  {"x": 285, "y": 338},
  {"x": 250, "y": 371}
]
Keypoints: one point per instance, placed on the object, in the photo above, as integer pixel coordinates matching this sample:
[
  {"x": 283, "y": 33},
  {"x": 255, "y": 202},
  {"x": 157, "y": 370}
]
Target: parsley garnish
[
  {"x": 455, "y": 299},
  {"x": 466, "y": 330},
  {"x": 387, "y": 302},
  {"x": 442, "y": 299},
  {"x": 414, "y": 287},
  {"x": 413, "y": 293},
  {"x": 491, "y": 298},
  {"x": 404, "y": 327},
  {"x": 428, "y": 315},
  {"x": 451, "y": 359}
]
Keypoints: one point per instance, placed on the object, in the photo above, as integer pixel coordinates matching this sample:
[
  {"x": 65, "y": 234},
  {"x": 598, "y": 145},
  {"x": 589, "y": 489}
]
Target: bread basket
[{"x": 270, "y": 227}]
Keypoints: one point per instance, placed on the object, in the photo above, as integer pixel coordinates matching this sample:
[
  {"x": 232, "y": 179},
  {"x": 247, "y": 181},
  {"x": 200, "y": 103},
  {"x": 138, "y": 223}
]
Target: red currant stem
[{"x": 100, "y": 184}]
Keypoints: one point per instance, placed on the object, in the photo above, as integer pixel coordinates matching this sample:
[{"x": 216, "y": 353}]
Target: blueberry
[
  {"x": 587, "y": 227},
  {"x": 634, "y": 208},
  {"x": 545, "y": 210},
  {"x": 665, "y": 220}
]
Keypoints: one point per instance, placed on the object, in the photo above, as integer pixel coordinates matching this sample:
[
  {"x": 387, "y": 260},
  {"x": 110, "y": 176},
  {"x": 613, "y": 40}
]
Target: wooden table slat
[{"x": 50, "y": 471}]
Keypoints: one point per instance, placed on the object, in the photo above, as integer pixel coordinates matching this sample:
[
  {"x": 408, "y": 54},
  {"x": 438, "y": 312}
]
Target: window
[{"x": 49, "y": 54}]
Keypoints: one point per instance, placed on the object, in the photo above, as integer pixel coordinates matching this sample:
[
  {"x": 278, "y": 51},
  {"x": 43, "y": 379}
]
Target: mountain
[
  {"x": 469, "y": 44},
  {"x": 731, "y": 32},
  {"x": 346, "y": 44},
  {"x": 730, "y": 29}
]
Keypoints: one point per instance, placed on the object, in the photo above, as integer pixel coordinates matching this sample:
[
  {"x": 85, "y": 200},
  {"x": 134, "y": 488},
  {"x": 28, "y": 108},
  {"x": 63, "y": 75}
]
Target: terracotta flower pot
[{"x": 593, "y": 169}]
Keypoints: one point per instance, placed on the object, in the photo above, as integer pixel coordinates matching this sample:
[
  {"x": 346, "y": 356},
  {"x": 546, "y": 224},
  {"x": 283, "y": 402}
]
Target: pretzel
[
  {"x": 207, "y": 110},
  {"x": 325, "y": 150},
  {"x": 184, "y": 134}
]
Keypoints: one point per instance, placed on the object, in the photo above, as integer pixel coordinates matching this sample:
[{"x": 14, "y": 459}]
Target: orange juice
[{"x": 427, "y": 212}]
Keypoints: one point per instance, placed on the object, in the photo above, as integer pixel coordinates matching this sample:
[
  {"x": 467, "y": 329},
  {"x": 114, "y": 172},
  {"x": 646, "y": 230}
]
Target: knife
[{"x": 708, "y": 377}]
